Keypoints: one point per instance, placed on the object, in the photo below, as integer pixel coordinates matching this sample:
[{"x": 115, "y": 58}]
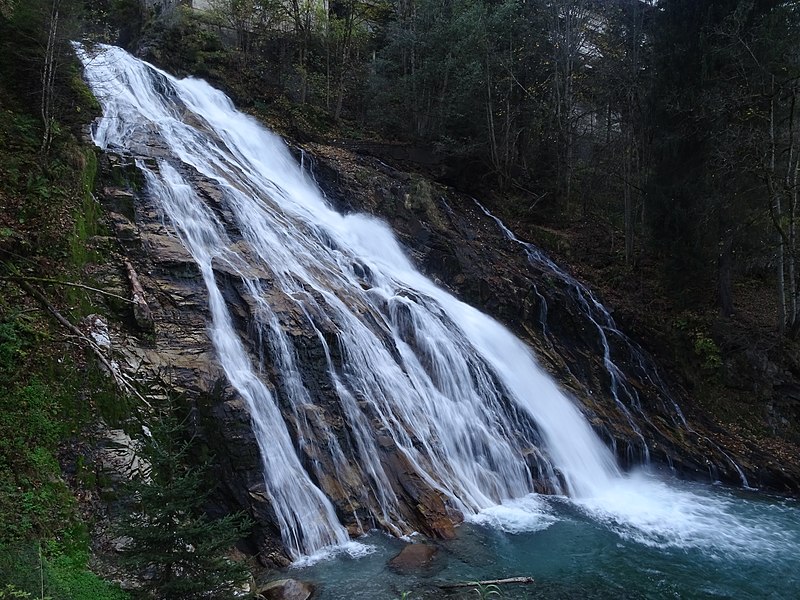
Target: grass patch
[
  {"x": 56, "y": 571},
  {"x": 47, "y": 402}
]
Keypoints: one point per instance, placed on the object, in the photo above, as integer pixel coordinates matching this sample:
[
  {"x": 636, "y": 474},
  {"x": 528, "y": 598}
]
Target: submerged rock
[{"x": 414, "y": 557}]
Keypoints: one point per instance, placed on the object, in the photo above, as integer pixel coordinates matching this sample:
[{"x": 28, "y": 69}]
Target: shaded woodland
[{"x": 673, "y": 122}]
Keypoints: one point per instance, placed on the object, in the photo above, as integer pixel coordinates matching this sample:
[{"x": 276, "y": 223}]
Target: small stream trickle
[{"x": 624, "y": 393}]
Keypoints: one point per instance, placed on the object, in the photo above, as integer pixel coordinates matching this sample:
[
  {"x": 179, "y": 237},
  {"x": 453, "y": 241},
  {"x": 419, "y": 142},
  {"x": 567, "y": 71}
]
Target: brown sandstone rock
[{"x": 414, "y": 557}]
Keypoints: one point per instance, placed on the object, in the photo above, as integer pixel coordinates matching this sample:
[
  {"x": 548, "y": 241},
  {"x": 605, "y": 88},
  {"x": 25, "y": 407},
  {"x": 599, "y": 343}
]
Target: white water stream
[{"x": 460, "y": 397}]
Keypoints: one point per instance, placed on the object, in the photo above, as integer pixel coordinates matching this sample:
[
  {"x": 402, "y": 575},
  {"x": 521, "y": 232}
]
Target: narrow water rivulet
[
  {"x": 621, "y": 388},
  {"x": 418, "y": 378}
]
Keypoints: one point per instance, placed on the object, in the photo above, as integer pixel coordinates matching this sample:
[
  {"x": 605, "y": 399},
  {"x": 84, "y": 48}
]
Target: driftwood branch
[
  {"x": 119, "y": 379},
  {"x": 141, "y": 311},
  {"x": 525, "y": 580}
]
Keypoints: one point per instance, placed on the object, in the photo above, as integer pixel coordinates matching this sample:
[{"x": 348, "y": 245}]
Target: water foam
[
  {"x": 521, "y": 515},
  {"x": 352, "y": 549},
  {"x": 646, "y": 510}
]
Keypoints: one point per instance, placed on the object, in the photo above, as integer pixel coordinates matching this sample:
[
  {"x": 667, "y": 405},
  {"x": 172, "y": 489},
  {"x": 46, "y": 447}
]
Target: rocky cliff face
[
  {"x": 174, "y": 355},
  {"x": 450, "y": 239}
]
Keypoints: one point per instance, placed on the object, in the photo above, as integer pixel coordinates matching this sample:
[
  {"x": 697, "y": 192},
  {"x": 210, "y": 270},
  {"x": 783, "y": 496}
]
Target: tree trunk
[
  {"x": 791, "y": 184},
  {"x": 793, "y": 250},
  {"x": 48, "y": 78},
  {"x": 725, "y": 274},
  {"x": 486, "y": 582},
  {"x": 631, "y": 166},
  {"x": 628, "y": 199},
  {"x": 327, "y": 60},
  {"x": 344, "y": 66},
  {"x": 776, "y": 213}
]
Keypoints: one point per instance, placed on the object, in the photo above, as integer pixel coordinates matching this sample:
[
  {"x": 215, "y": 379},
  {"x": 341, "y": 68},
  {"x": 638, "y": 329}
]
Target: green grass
[
  {"x": 46, "y": 402},
  {"x": 56, "y": 570},
  {"x": 49, "y": 392}
]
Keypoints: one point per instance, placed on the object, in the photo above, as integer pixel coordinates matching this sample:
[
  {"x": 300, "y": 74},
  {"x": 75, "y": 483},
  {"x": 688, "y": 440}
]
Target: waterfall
[{"x": 452, "y": 391}]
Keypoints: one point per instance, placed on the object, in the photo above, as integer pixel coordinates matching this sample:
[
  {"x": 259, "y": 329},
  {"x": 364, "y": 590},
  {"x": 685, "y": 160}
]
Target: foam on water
[
  {"x": 522, "y": 515},
  {"x": 646, "y": 510},
  {"x": 352, "y": 549}
]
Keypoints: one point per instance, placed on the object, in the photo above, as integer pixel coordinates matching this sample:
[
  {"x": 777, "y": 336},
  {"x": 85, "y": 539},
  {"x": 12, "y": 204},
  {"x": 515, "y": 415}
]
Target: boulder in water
[
  {"x": 414, "y": 557},
  {"x": 286, "y": 589}
]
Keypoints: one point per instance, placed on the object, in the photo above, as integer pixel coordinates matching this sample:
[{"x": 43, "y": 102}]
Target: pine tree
[{"x": 173, "y": 543}]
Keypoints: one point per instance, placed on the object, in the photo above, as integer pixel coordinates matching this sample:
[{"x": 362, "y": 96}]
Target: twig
[{"x": 68, "y": 283}]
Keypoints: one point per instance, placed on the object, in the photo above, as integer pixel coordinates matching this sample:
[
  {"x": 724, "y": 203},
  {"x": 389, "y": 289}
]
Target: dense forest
[
  {"x": 673, "y": 122},
  {"x": 653, "y": 145}
]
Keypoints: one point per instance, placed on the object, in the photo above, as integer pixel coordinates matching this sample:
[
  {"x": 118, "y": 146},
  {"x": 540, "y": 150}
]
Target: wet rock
[
  {"x": 117, "y": 455},
  {"x": 175, "y": 356},
  {"x": 421, "y": 505},
  {"x": 96, "y": 329},
  {"x": 450, "y": 240},
  {"x": 119, "y": 202},
  {"x": 286, "y": 589},
  {"x": 454, "y": 242},
  {"x": 123, "y": 228},
  {"x": 121, "y": 543},
  {"x": 414, "y": 557},
  {"x": 166, "y": 249}
]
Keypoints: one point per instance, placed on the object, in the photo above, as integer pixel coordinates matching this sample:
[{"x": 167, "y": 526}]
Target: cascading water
[
  {"x": 626, "y": 397},
  {"x": 624, "y": 394},
  {"x": 461, "y": 400}
]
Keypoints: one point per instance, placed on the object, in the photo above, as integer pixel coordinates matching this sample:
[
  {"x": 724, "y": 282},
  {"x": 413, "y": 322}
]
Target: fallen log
[
  {"x": 141, "y": 311},
  {"x": 524, "y": 580}
]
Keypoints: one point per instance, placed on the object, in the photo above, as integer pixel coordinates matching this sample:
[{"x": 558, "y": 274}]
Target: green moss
[
  {"x": 707, "y": 351},
  {"x": 420, "y": 200},
  {"x": 87, "y": 217},
  {"x": 35, "y": 501},
  {"x": 49, "y": 395},
  {"x": 87, "y": 229},
  {"x": 114, "y": 408},
  {"x": 85, "y": 102},
  {"x": 46, "y": 402}
]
